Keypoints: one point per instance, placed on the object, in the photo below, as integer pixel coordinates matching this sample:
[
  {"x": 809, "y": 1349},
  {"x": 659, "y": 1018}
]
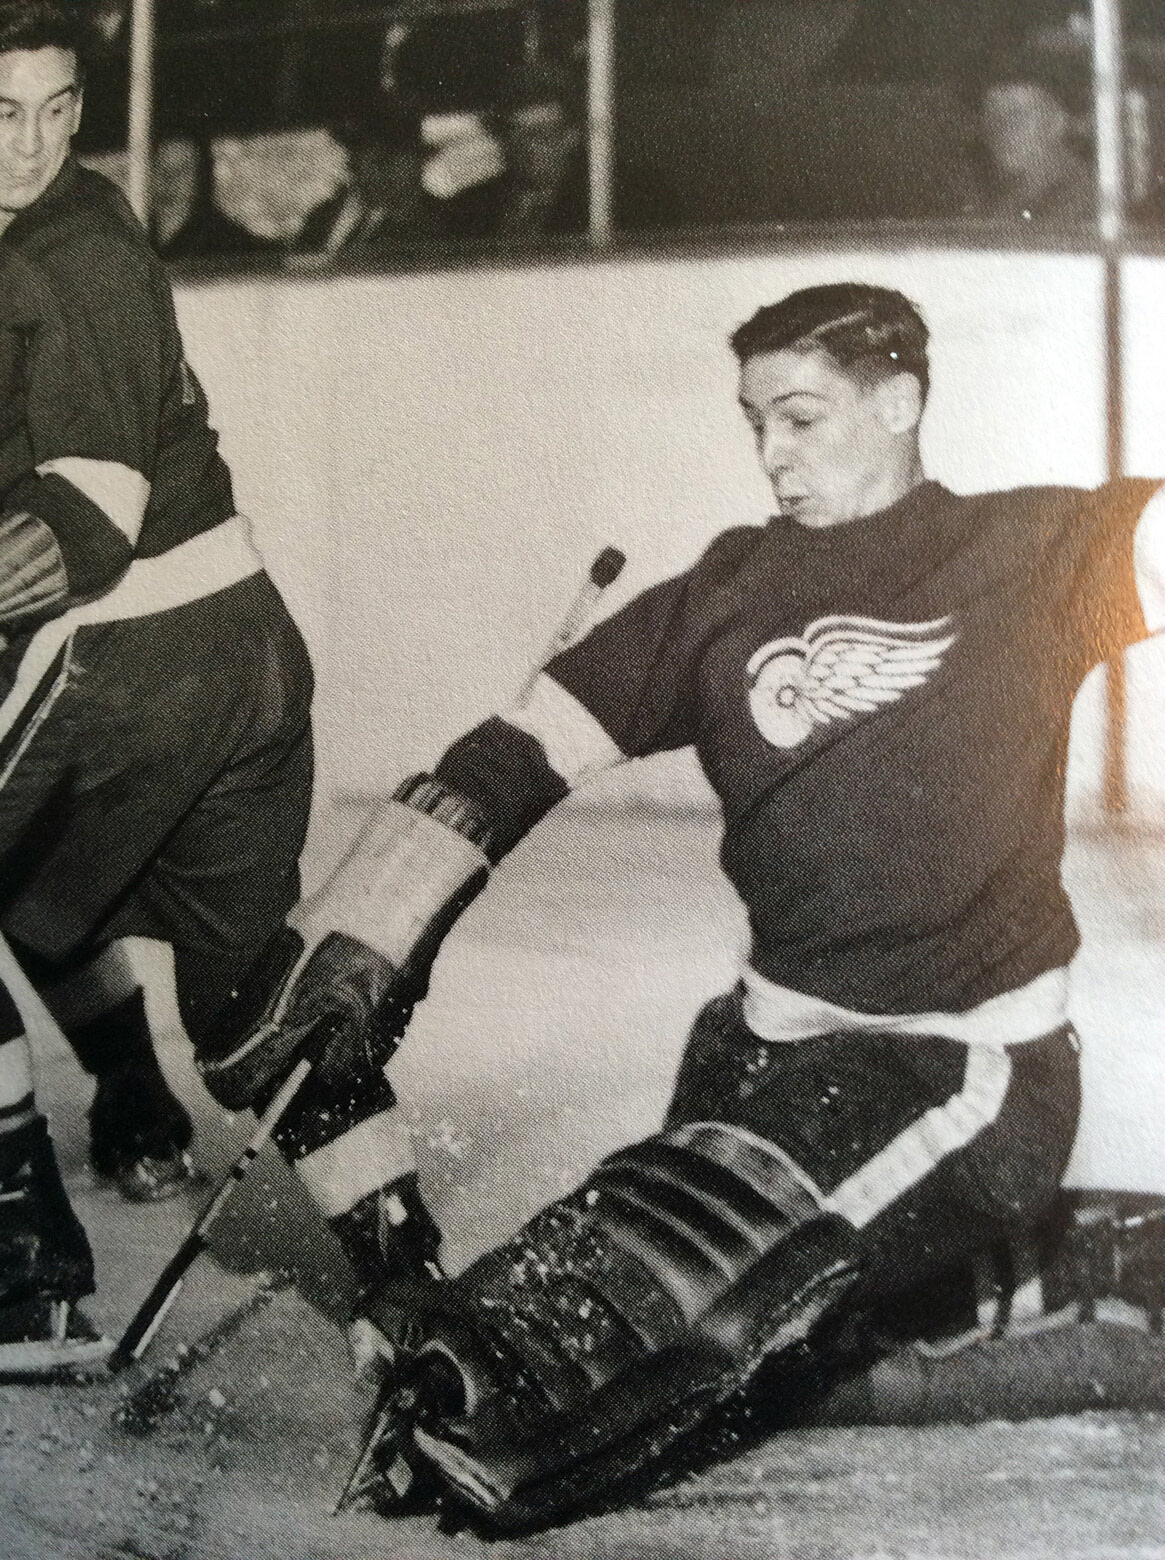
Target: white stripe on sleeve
[
  {"x": 576, "y": 746},
  {"x": 1149, "y": 561},
  {"x": 120, "y": 492}
]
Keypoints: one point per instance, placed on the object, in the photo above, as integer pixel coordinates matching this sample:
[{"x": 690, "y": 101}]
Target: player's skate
[
  {"x": 139, "y": 1133},
  {"x": 45, "y": 1266},
  {"x": 392, "y": 1233},
  {"x": 139, "y": 1136}
]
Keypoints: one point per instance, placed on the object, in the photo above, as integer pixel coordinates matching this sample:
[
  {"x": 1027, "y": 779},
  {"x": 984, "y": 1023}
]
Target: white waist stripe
[
  {"x": 922, "y": 1147},
  {"x": 201, "y": 567},
  {"x": 779, "y": 1014},
  {"x": 120, "y": 492},
  {"x": 577, "y": 747},
  {"x": 364, "y": 1159}
]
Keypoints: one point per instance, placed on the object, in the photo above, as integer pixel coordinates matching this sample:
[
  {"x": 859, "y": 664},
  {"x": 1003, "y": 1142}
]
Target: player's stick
[
  {"x": 156, "y": 1306},
  {"x": 605, "y": 570}
]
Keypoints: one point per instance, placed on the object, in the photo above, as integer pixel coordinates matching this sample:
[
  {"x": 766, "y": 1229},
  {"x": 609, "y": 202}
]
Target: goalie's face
[
  {"x": 40, "y": 110},
  {"x": 833, "y": 448}
]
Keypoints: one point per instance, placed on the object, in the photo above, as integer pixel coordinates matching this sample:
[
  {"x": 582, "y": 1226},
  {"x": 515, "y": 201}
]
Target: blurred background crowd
[{"x": 301, "y": 132}]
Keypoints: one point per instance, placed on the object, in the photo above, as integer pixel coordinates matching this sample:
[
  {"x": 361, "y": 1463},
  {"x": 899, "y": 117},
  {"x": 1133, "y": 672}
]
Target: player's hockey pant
[
  {"x": 933, "y": 1150},
  {"x": 792, "y": 1180}
]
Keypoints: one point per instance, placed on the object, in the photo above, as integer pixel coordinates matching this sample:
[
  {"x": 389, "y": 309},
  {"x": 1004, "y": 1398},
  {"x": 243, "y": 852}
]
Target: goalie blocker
[{"x": 338, "y": 984}]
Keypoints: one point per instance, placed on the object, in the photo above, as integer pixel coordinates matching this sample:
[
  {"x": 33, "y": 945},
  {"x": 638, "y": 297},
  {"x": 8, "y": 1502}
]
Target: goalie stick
[
  {"x": 160, "y": 1394},
  {"x": 136, "y": 1338},
  {"x": 154, "y": 1309}
]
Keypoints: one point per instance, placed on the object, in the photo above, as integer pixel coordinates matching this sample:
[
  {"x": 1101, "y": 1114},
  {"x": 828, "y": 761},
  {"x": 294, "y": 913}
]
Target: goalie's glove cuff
[{"x": 341, "y": 988}]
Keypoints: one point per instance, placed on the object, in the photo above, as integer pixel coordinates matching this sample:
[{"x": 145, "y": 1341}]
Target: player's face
[
  {"x": 40, "y": 109},
  {"x": 833, "y": 449}
]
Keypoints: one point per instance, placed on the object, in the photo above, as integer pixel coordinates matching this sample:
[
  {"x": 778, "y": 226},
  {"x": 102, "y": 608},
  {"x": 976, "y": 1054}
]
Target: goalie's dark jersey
[{"x": 883, "y": 709}]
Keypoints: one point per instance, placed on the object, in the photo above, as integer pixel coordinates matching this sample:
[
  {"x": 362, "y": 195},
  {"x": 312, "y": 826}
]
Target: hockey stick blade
[{"x": 156, "y": 1306}]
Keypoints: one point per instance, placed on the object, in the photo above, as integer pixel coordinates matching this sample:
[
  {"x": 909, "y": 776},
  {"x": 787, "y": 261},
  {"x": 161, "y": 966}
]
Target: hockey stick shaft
[
  {"x": 156, "y": 1306},
  {"x": 605, "y": 570},
  {"x": 159, "y": 1395}
]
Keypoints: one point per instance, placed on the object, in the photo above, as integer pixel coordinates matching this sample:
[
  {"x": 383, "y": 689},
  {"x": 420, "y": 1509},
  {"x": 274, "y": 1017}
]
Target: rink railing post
[
  {"x": 1108, "y": 79},
  {"x": 139, "y": 142}
]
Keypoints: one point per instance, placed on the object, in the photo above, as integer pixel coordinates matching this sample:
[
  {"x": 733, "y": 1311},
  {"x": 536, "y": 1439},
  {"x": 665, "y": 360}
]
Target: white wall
[{"x": 431, "y": 461}]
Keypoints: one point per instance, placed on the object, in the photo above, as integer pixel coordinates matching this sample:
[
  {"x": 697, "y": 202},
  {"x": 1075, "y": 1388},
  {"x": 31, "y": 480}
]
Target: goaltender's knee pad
[{"x": 619, "y": 1317}]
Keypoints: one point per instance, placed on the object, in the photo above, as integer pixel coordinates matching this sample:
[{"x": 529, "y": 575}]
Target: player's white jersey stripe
[
  {"x": 1149, "y": 559},
  {"x": 119, "y": 491},
  {"x": 576, "y": 745},
  {"x": 18, "y": 1103},
  {"x": 780, "y": 1014},
  {"x": 364, "y": 1158},
  {"x": 920, "y": 1149}
]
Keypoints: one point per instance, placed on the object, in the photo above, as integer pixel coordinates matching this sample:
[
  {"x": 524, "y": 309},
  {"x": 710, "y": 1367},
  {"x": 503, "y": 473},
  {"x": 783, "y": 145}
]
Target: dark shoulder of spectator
[{"x": 212, "y": 232}]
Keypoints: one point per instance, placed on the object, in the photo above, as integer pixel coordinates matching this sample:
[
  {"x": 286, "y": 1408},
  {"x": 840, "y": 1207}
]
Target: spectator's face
[
  {"x": 540, "y": 140},
  {"x": 40, "y": 110},
  {"x": 831, "y": 447},
  {"x": 1024, "y": 127}
]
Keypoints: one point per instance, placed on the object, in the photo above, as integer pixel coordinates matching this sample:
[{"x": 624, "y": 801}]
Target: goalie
[{"x": 878, "y": 684}]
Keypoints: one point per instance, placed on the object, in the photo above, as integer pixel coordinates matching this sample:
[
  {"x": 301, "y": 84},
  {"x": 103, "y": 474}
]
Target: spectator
[
  {"x": 186, "y": 221},
  {"x": 543, "y": 190},
  {"x": 384, "y": 206},
  {"x": 1031, "y": 124}
]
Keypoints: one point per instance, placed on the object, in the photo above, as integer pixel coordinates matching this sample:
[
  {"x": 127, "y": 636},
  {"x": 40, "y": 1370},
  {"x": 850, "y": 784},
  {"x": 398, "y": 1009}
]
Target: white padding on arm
[
  {"x": 576, "y": 745},
  {"x": 120, "y": 492},
  {"x": 1149, "y": 560},
  {"x": 399, "y": 876}
]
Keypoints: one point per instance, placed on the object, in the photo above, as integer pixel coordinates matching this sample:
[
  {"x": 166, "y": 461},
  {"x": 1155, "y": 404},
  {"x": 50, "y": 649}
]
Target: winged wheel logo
[{"x": 839, "y": 667}]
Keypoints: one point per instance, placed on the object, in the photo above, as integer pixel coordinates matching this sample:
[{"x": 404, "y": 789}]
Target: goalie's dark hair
[
  {"x": 870, "y": 332},
  {"x": 46, "y": 24}
]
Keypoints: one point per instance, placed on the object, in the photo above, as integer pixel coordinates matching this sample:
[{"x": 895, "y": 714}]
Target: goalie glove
[{"x": 339, "y": 983}]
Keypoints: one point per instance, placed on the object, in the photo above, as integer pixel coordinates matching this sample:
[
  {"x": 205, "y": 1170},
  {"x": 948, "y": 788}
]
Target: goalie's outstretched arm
[{"x": 339, "y": 982}]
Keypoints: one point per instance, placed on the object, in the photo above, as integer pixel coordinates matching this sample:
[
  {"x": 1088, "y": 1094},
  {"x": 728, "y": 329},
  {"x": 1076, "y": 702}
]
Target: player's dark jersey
[
  {"x": 883, "y": 709},
  {"x": 91, "y": 362}
]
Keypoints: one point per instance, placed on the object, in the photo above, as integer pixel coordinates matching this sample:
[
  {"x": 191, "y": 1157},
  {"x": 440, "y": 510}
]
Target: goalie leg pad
[
  {"x": 340, "y": 984},
  {"x": 621, "y": 1316}
]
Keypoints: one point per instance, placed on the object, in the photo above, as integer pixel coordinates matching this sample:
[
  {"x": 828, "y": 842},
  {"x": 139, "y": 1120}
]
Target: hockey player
[
  {"x": 878, "y": 684},
  {"x": 155, "y": 753}
]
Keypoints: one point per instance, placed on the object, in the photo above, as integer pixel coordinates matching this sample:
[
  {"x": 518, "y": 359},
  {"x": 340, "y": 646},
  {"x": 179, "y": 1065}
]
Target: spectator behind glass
[
  {"x": 1032, "y": 126},
  {"x": 185, "y": 220},
  {"x": 543, "y": 190},
  {"x": 383, "y": 208}
]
